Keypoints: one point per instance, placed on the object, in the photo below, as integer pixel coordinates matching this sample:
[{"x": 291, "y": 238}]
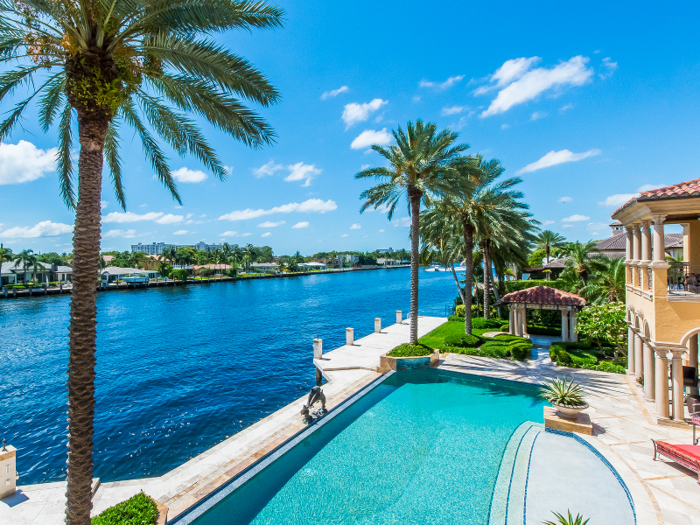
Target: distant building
[
  {"x": 385, "y": 250},
  {"x": 157, "y": 248}
]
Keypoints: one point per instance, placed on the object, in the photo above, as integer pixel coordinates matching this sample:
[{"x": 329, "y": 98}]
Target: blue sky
[{"x": 588, "y": 103}]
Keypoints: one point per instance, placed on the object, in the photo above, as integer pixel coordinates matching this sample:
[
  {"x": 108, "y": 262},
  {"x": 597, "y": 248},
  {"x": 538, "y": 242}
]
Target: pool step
[{"x": 508, "y": 499}]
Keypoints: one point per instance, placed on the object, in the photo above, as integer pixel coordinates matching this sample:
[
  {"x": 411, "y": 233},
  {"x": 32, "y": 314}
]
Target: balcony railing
[{"x": 684, "y": 278}]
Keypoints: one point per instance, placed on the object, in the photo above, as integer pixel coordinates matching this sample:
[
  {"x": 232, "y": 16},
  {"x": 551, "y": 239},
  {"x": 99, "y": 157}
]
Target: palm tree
[
  {"x": 108, "y": 63},
  {"x": 26, "y": 258},
  {"x": 248, "y": 254},
  {"x": 169, "y": 254},
  {"x": 419, "y": 166},
  {"x": 578, "y": 256},
  {"x": 5, "y": 256},
  {"x": 609, "y": 280},
  {"x": 547, "y": 240},
  {"x": 138, "y": 259}
]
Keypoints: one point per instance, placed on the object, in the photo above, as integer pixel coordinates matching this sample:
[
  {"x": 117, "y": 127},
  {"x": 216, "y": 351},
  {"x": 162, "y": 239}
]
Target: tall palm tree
[
  {"x": 5, "y": 256},
  {"x": 420, "y": 164},
  {"x": 169, "y": 254},
  {"x": 109, "y": 63},
  {"x": 138, "y": 259},
  {"x": 608, "y": 282},
  {"x": 26, "y": 259},
  {"x": 578, "y": 258},
  {"x": 547, "y": 240},
  {"x": 248, "y": 255}
]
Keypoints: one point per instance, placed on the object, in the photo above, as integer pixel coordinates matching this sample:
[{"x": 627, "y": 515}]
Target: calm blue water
[
  {"x": 180, "y": 369},
  {"x": 423, "y": 447}
]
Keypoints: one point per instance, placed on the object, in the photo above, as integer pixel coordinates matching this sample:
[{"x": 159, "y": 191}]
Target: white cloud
[
  {"x": 269, "y": 224},
  {"x": 266, "y": 234},
  {"x": 381, "y": 231},
  {"x": 189, "y": 215},
  {"x": 537, "y": 115},
  {"x": 558, "y": 157},
  {"x": 41, "y": 229},
  {"x": 267, "y": 169},
  {"x": 335, "y": 92},
  {"x": 24, "y": 162},
  {"x": 192, "y": 221},
  {"x": 565, "y": 108},
  {"x": 609, "y": 66},
  {"x": 565, "y": 199},
  {"x": 127, "y": 234},
  {"x": 369, "y": 137},
  {"x": 510, "y": 71},
  {"x": 453, "y": 110},
  {"x": 617, "y": 200},
  {"x": 568, "y": 226},
  {"x": 547, "y": 223},
  {"x": 354, "y": 112},
  {"x": 649, "y": 187},
  {"x": 403, "y": 222},
  {"x": 441, "y": 85},
  {"x": 345, "y": 235},
  {"x": 356, "y": 226},
  {"x": 505, "y": 126},
  {"x": 104, "y": 204},
  {"x": 189, "y": 176},
  {"x": 596, "y": 225},
  {"x": 529, "y": 85},
  {"x": 128, "y": 216},
  {"x": 301, "y": 171},
  {"x": 181, "y": 232},
  {"x": 382, "y": 208},
  {"x": 170, "y": 219},
  {"x": 246, "y": 234},
  {"x": 300, "y": 225},
  {"x": 576, "y": 218},
  {"x": 308, "y": 206},
  {"x": 229, "y": 234}
]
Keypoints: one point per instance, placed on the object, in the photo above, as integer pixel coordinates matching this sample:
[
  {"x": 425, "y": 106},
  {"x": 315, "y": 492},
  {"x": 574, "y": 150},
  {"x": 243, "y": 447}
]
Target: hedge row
[
  {"x": 502, "y": 346},
  {"x": 583, "y": 355},
  {"x": 137, "y": 510}
]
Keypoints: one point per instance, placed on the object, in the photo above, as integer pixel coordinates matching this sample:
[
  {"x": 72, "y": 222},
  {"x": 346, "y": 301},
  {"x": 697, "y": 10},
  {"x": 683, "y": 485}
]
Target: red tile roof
[
  {"x": 543, "y": 295},
  {"x": 683, "y": 190}
]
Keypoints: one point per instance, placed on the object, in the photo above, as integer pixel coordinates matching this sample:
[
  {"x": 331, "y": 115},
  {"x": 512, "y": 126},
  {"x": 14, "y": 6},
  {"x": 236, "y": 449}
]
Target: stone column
[
  {"x": 318, "y": 348},
  {"x": 686, "y": 242},
  {"x": 524, "y": 320},
  {"x": 630, "y": 350},
  {"x": 629, "y": 254},
  {"x": 573, "y": 336},
  {"x": 661, "y": 384},
  {"x": 659, "y": 248},
  {"x": 638, "y": 363},
  {"x": 399, "y": 316},
  {"x": 519, "y": 321},
  {"x": 349, "y": 336},
  {"x": 649, "y": 378},
  {"x": 677, "y": 384},
  {"x": 693, "y": 361},
  {"x": 512, "y": 330},
  {"x": 8, "y": 470},
  {"x": 378, "y": 324},
  {"x": 637, "y": 243},
  {"x": 646, "y": 242},
  {"x": 564, "y": 325}
]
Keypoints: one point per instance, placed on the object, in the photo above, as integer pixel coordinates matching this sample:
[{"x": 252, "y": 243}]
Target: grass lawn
[{"x": 436, "y": 338}]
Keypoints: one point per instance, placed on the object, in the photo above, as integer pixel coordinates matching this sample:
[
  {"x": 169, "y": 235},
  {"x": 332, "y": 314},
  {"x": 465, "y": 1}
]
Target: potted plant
[{"x": 564, "y": 395}]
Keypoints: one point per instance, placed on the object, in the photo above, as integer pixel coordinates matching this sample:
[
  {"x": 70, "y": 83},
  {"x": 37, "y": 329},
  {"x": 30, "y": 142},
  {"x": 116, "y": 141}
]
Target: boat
[{"x": 135, "y": 278}]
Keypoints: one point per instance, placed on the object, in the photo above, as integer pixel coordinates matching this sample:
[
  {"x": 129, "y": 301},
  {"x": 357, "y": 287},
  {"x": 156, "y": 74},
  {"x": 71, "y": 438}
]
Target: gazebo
[{"x": 544, "y": 298}]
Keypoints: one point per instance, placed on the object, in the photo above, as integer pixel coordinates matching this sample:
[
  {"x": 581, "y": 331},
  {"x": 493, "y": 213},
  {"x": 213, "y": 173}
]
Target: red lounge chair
[{"x": 686, "y": 455}]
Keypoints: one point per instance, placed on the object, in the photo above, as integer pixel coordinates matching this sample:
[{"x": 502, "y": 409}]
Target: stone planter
[
  {"x": 569, "y": 412},
  {"x": 397, "y": 364}
]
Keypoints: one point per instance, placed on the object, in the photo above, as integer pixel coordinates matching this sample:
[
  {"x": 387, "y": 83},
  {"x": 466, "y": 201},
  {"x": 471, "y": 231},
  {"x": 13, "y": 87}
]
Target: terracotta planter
[
  {"x": 569, "y": 412},
  {"x": 387, "y": 363}
]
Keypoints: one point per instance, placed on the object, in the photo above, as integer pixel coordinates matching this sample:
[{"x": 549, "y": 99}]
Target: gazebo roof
[{"x": 543, "y": 295}]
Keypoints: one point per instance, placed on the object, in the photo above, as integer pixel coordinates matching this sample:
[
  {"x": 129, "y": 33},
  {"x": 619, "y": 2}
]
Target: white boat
[
  {"x": 438, "y": 268},
  {"x": 135, "y": 278}
]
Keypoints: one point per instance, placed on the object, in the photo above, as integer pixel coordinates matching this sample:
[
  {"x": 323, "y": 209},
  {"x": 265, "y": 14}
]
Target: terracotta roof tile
[
  {"x": 543, "y": 295},
  {"x": 690, "y": 188}
]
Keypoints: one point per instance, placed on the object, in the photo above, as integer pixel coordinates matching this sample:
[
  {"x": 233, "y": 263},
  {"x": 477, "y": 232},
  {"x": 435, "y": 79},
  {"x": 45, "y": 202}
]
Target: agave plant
[
  {"x": 561, "y": 391},
  {"x": 569, "y": 520}
]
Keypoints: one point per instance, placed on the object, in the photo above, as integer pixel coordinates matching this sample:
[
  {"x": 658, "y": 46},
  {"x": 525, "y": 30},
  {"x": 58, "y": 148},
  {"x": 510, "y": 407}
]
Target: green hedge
[
  {"x": 459, "y": 310},
  {"x": 583, "y": 355},
  {"x": 540, "y": 329},
  {"x": 514, "y": 286},
  {"x": 137, "y": 510},
  {"x": 479, "y": 323},
  {"x": 409, "y": 350},
  {"x": 463, "y": 341}
]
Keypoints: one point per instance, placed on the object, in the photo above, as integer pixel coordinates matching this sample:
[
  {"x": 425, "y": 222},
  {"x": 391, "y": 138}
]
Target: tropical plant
[
  {"x": 419, "y": 165},
  {"x": 248, "y": 255},
  {"x": 5, "y": 255},
  {"x": 26, "y": 259},
  {"x": 547, "y": 240},
  {"x": 599, "y": 323},
  {"x": 169, "y": 254},
  {"x": 563, "y": 391},
  {"x": 566, "y": 520},
  {"x": 608, "y": 282},
  {"x": 107, "y": 63},
  {"x": 578, "y": 258},
  {"x": 138, "y": 259}
]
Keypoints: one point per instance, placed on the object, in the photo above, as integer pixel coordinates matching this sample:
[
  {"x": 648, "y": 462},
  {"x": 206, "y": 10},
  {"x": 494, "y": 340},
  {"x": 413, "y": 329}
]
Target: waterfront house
[
  {"x": 112, "y": 273},
  {"x": 265, "y": 267},
  {"x": 13, "y": 273},
  {"x": 218, "y": 268},
  {"x": 313, "y": 266},
  {"x": 663, "y": 300}
]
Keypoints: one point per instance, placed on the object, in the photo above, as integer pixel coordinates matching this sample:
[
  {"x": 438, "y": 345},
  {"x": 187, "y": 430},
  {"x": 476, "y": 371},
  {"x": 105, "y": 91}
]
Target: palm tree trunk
[
  {"x": 487, "y": 279},
  {"x": 415, "y": 196},
  {"x": 83, "y": 323},
  {"x": 469, "y": 275}
]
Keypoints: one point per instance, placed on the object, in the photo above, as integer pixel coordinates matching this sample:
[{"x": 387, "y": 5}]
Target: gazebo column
[
  {"x": 677, "y": 384},
  {"x": 573, "y": 336},
  {"x": 512, "y": 329},
  {"x": 649, "y": 378},
  {"x": 564, "y": 325},
  {"x": 523, "y": 313},
  {"x": 519, "y": 320},
  {"x": 630, "y": 350},
  {"x": 638, "y": 363},
  {"x": 661, "y": 384},
  {"x": 693, "y": 361}
]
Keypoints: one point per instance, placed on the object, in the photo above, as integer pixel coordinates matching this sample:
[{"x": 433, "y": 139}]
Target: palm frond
[
  {"x": 64, "y": 163},
  {"x": 114, "y": 161}
]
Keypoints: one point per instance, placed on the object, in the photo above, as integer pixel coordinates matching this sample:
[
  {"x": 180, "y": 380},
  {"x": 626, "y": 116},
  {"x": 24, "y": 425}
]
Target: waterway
[{"x": 181, "y": 369}]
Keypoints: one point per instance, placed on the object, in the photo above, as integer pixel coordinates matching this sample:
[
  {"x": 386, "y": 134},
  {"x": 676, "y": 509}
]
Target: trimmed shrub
[
  {"x": 495, "y": 349},
  {"x": 137, "y": 510},
  {"x": 539, "y": 329},
  {"x": 508, "y": 338},
  {"x": 520, "y": 351},
  {"x": 456, "y": 318},
  {"x": 463, "y": 341},
  {"x": 409, "y": 350},
  {"x": 459, "y": 310},
  {"x": 505, "y": 327},
  {"x": 479, "y": 323}
]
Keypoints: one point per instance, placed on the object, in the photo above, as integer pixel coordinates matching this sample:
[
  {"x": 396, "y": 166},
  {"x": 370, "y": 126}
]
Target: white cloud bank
[
  {"x": 334, "y": 92},
  {"x": 452, "y": 110},
  {"x": 24, "y": 162},
  {"x": 441, "y": 85},
  {"x": 565, "y": 199},
  {"x": 266, "y": 234},
  {"x": 370, "y": 137},
  {"x": 576, "y": 218},
  {"x": 301, "y": 171},
  {"x": 354, "y": 112},
  {"x": 270, "y": 224},
  {"x": 300, "y": 225},
  {"x": 267, "y": 169},
  {"x": 181, "y": 232},
  {"x": 41, "y": 229},
  {"x": 518, "y": 83},
  {"x": 187, "y": 175},
  {"x": 617, "y": 200},
  {"x": 557, "y": 157},
  {"x": 356, "y": 226},
  {"x": 126, "y": 234},
  {"x": 125, "y": 217},
  {"x": 308, "y": 206}
]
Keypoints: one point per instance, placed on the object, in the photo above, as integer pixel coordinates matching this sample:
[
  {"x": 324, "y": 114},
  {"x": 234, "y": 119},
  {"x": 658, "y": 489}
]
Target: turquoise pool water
[{"x": 422, "y": 447}]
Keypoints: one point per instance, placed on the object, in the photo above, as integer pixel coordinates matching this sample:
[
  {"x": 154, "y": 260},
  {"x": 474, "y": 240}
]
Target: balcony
[{"x": 684, "y": 282}]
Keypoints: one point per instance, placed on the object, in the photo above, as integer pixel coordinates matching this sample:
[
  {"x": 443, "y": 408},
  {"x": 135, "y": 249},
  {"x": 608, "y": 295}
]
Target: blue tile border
[
  {"x": 527, "y": 479},
  {"x": 602, "y": 458}
]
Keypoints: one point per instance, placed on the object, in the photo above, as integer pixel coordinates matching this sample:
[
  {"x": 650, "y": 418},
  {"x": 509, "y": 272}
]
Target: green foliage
[
  {"x": 538, "y": 329},
  {"x": 459, "y": 310},
  {"x": 463, "y": 341},
  {"x": 514, "y": 286},
  {"x": 567, "y": 520},
  {"x": 604, "y": 323},
  {"x": 561, "y": 391},
  {"x": 505, "y": 327},
  {"x": 480, "y": 322},
  {"x": 520, "y": 351},
  {"x": 180, "y": 275},
  {"x": 409, "y": 350},
  {"x": 137, "y": 510}
]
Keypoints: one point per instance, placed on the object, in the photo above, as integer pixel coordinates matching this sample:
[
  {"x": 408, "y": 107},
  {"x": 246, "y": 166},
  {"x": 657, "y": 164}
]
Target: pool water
[{"x": 422, "y": 447}]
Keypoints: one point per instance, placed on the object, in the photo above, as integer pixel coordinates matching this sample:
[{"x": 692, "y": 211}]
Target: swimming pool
[{"x": 421, "y": 447}]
